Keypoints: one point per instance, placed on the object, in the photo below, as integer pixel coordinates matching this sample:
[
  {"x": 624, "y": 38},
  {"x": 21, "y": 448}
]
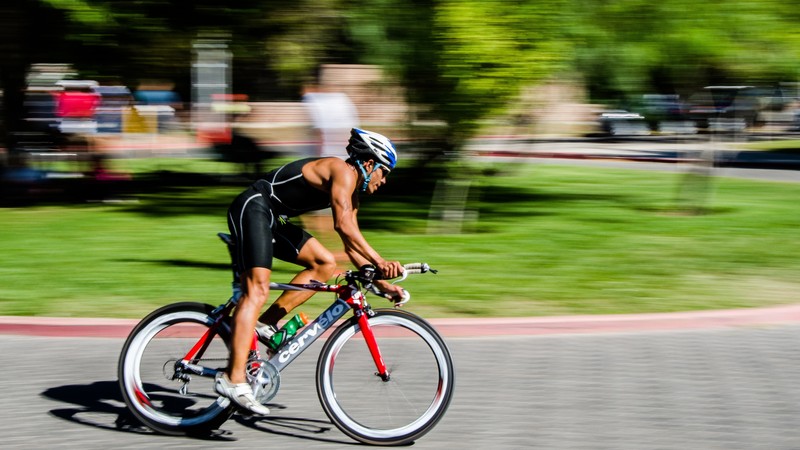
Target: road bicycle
[{"x": 391, "y": 391}]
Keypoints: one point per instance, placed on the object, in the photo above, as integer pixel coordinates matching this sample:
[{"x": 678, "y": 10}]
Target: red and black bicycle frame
[{"x": 349, "y": 297}]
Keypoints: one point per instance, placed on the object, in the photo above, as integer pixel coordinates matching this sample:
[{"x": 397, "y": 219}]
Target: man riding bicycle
[{"x": 257, "y": 220}]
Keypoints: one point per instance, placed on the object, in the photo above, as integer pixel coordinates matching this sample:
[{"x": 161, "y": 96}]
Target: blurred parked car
[
  {"x": 41, "y": 104},
  {"x": 160, "y": 103},
  {"x": 76, "y": 105},
  {"x": 115, "y": 102},
  {"x": 666, "y": 113},
  {"x": 736, "y": 106},
  {"x": 663, "y": 106},
  {"x": 619, "y": 122}
]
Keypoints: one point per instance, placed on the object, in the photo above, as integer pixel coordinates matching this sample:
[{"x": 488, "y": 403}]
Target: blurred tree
[
  {"x": 629, "y": 47},
  {"x": 277, "y": 46},
  {"x": 462, "y": 60},
  {"x": 306, "y": 34},
  {"x": 29, "y": 32},
  {"x": 127, "y": 42}
]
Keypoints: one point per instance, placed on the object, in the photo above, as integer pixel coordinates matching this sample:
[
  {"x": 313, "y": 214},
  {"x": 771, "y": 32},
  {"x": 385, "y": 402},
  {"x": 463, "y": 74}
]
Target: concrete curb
[{"x": 470, "y": 327}]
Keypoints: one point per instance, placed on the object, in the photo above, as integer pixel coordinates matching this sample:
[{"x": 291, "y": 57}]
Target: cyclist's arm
[{"x": 344, "y": 205}]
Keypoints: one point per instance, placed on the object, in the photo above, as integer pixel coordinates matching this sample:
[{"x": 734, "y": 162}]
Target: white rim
[
  {"x": 427, "y": 416},
  {"x": 133, "y": 382}
]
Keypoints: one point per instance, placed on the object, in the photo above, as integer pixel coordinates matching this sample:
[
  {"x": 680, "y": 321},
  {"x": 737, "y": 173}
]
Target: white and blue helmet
[{"x": 364, "y": 145}]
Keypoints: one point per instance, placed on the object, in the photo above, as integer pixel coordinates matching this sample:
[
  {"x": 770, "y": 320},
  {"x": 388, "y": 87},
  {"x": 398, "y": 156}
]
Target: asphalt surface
[{"x": 724, "y": 387}]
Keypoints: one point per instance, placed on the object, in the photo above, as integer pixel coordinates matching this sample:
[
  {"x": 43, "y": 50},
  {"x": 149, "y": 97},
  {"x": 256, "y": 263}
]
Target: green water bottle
[{"x": 287, "y": 331}]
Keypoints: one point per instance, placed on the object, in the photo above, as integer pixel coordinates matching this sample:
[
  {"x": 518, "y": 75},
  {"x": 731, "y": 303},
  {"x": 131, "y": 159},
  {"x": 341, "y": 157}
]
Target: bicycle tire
[
  {"x": 410, "y": 403},
  {"x": 147, "y": 360}
]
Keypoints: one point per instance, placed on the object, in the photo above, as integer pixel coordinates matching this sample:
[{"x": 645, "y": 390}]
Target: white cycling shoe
[
  {"x": 240, "y": 394},
  {"x": 265, "y": 332}
]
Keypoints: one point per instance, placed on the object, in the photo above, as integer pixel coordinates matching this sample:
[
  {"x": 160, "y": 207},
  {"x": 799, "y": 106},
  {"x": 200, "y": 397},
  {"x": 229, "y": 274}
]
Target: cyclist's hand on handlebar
[
  {"x": 393, "y": 291},
  {"x": 390, "y": 269}
]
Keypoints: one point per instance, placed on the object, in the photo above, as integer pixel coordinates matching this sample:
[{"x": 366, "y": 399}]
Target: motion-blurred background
[{"x": 127, "y": 127}]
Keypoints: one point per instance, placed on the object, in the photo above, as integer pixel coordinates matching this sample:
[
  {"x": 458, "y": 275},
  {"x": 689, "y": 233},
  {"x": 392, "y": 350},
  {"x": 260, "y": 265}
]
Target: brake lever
[
  {"x": 403, "y": 300},
  {"x": 397, "y": 303}
]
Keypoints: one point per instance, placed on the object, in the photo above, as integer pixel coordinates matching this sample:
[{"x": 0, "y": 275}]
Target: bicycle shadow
[
  {"x": 100, "y": 405},
  {"x": 295, "y": 427}
]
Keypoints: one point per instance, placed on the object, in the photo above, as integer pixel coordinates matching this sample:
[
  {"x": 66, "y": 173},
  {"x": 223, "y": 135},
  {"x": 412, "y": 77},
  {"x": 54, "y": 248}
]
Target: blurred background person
[{"x": 333, "y": 115}]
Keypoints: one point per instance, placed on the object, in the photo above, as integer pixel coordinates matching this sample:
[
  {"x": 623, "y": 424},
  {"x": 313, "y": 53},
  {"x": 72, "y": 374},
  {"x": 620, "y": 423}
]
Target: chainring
[{"x": 264, "y": 378}]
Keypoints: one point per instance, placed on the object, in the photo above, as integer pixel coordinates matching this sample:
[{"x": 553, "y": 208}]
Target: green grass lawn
[{"x": 546, "y": 240}]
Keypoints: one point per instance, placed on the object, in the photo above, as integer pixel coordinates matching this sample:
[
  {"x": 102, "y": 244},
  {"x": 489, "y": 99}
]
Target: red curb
[
  {"x": 470, "y": 327},
  {"x": 620, "y": 323},
  {"x": 66, "y": 326}
]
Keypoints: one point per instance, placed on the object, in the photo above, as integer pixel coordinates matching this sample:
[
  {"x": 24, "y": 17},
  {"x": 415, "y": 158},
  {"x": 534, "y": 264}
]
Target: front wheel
[
  {"x": 400, "y": 409},
  {"x": 160, "y": 391}
]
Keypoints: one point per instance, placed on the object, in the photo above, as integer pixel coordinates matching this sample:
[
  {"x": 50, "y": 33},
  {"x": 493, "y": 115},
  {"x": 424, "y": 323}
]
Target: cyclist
[{"x": 257, "y": 220}]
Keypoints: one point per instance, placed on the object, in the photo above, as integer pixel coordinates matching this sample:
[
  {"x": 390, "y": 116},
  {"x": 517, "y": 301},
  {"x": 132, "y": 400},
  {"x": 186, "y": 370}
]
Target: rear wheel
[
  {"x": 386, "y": 412},
  {"x": 163, "y": 394}
]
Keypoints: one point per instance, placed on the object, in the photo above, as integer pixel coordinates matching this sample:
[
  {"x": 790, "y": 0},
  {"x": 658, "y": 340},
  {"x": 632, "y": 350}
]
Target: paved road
[
  {"x": 646, "y": 154},
  {"x": 720, "y": 388}
]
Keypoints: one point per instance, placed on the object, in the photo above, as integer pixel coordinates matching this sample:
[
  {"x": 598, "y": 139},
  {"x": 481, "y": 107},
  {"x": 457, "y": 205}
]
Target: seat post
[{"x": 228, "y": 240}]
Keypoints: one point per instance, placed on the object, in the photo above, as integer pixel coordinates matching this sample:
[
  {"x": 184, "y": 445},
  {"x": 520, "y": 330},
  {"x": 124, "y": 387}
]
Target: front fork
[{"x": 369, "y": 337}]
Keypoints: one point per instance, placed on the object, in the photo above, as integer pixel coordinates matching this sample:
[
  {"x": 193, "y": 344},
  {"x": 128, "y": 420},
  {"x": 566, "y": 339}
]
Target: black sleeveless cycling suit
[{"x": 257, "y": 217}]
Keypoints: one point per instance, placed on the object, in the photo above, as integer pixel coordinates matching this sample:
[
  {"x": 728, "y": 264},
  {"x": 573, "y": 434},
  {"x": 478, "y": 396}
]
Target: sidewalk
[
  {"x": 467, "y": 327},
  {"x": 631, "y": 149},
  {"x": 634, "y": 149}
]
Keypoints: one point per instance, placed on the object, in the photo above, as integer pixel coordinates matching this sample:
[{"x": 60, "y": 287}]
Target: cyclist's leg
[
  {"x": 255, "y": 284},
  {"x": 295, "y": 245},
  {"x": 249, "y": 221}
]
